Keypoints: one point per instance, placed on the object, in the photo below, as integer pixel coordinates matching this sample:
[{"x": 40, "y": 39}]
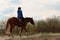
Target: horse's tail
[
  {"x": 7, "y": 25},
  {"x": 7, "y": 28}
]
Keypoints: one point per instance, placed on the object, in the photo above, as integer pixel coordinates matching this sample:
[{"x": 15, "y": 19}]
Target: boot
[{"x": 23, "y": 21}]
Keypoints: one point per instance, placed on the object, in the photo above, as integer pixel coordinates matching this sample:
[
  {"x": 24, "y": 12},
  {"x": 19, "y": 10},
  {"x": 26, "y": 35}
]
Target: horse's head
[{"x": 30, "y": 20}]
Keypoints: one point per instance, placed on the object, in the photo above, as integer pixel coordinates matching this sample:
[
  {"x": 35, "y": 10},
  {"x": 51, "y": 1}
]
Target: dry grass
[{"x": 34, "y": 37}]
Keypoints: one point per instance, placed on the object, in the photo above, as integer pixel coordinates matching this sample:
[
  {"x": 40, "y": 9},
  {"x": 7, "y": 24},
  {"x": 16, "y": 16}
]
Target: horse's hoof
[{"x": 20, "y": 35}]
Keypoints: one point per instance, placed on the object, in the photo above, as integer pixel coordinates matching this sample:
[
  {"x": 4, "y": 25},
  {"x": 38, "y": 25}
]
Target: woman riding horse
[
  {"x": 12, "y": 22},
  {"x": 19, "y": 22},
  {"x": 20, "y": 15}
]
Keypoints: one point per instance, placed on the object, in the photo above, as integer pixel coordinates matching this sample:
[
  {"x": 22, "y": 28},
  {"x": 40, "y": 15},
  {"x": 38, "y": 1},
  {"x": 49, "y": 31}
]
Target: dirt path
[{"x": 33, "y": 37}]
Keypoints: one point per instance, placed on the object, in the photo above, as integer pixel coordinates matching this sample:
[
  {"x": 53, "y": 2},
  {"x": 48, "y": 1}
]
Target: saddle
[{"x": 23, "y": 21}]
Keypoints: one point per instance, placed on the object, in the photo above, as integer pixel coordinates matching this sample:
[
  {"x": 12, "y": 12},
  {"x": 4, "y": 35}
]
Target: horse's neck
[{"x": 27, "y": 20}]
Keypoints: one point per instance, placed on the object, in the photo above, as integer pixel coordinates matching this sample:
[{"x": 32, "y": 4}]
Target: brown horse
[{"x": 12, "y": 22}]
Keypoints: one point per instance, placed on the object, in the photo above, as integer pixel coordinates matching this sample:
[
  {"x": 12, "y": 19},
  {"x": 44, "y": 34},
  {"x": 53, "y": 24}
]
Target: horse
[{"x": 14, "y": 21}]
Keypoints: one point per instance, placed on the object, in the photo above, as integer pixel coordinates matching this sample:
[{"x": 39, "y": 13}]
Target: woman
[{"x": 20, "y": 15}]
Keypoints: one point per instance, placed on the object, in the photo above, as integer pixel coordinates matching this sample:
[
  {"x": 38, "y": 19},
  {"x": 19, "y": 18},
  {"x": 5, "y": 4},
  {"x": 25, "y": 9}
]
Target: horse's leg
[
  {"x": 11, "y": 29},
  {"x": 26, "y": 31},
  {"x": 21, "y": 30},
  {"x": 18, "y": 28}
]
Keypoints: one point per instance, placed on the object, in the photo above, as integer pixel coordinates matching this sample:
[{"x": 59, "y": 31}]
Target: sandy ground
[{"x": 33, "y": 37}]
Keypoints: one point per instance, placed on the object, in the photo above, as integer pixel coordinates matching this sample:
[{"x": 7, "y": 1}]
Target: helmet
[{"x": 19, "y": 7}]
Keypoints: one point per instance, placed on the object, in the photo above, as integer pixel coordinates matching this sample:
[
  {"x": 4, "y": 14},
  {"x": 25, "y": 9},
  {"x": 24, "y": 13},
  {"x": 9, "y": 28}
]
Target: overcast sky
[{"x": 38, "y": 9}]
